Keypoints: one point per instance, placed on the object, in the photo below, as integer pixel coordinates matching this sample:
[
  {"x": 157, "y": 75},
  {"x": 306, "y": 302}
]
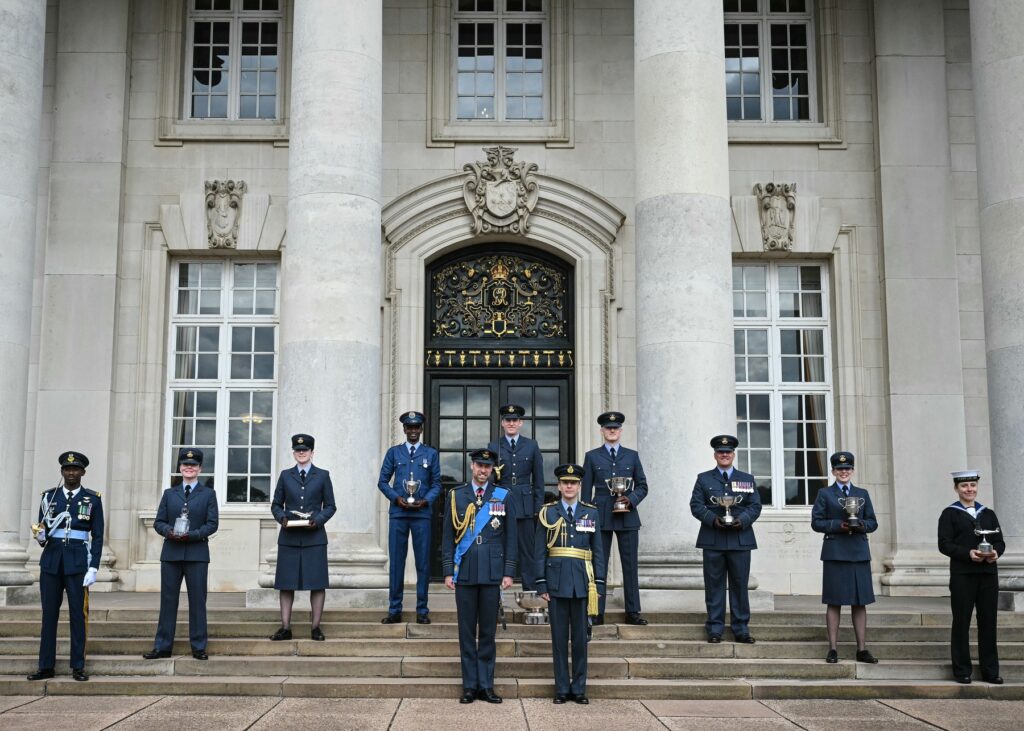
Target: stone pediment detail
[
  {"x": 777, "y": 210},
  {"x": 223, "y": 212},
  {"x": 205, "y": 220},
  {"x": 500, "y": 192}
]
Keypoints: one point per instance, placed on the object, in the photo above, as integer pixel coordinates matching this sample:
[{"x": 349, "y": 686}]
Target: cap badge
[
  {"x": 725, "y": 441},
  {"x": 412, "y": 414},
  {"x": 189, "y": 454},
  {"x": 71, "y": 457},
  {"x": 301, "y": 440},
  {"x": 570, "y": 470},
  {"x": 511, "y": 409},
  {"x": 842, "y": 457},
  {"x": 612, "y": 417}
]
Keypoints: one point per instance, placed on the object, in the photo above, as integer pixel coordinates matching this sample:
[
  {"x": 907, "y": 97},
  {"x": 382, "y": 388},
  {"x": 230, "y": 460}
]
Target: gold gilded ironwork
[{"x": 478, "y": 358}]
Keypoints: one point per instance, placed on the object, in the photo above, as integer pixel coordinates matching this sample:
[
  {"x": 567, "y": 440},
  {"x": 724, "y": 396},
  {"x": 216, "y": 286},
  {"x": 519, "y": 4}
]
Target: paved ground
[{"x": 85, "y": 713}]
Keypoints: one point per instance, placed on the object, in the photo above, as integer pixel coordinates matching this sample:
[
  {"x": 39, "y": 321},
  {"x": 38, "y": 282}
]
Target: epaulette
[
  {"x": 48, "y": 490},
  {"x": 589, "y": 505},
  {"x": 93, "y": 492},
  {"x": 553, "y": 502}
]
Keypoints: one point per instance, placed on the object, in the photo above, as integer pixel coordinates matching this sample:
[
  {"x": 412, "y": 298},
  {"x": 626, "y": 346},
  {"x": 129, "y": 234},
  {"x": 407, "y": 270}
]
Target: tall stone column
[
  {"x": 22, "y": 27},
  {"x": 684, "y": 342},
  {"x": 926, "y": 393},
  {"x": 331, "y": 306},
  {"x": 998, "y": 66}
]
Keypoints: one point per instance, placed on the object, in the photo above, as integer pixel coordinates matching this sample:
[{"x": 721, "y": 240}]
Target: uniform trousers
[
  {"x": 722, "y": 568},
  {"x": 629, "y": 543},
  {"x": 968, "y": 592},
  {"x": 52, "y": 588},
  {"x": 171, "y": 574},
  {"x": 477, "y": 606},
  {"x": 526, "y": 528},
  {"x": 569, "y": 620},
  {"x": 398, "y": 548}
]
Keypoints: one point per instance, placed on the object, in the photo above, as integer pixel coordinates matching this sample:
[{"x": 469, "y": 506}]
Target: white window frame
[
  {"x": 224, "y": 385},
  {"x": 174, "y": 125},
  {"x": 445, "y": 128},
  {"x": 775, "y": 387}
]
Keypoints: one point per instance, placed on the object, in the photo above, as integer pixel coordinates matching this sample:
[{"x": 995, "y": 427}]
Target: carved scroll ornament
[
  {"x": 777, "y": 209},
  {"x": 223, "y": 212}
]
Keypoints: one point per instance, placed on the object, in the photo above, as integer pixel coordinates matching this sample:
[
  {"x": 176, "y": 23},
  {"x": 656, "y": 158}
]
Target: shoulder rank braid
[
  {"x": 553, "y": 528},
  {"x": 461, "y": 526}
]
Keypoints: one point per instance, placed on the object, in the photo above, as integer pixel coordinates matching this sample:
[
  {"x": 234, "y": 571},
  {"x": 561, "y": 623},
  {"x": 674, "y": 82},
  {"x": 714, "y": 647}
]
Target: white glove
[
  {"x": 90, "y": 577},
  {"x": 41, "y": 537}
]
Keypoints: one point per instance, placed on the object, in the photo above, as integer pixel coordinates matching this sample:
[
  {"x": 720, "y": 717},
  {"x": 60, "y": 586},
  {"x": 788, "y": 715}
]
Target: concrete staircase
[{"x": 668, "y": 659}]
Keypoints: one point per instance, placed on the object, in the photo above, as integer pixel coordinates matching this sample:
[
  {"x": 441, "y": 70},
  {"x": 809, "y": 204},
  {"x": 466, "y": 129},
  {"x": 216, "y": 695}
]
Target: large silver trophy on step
[
  {"x": 727, "y": 501},
  {"x": 535, "y": 608},
  {"x": 852, "y": 506},
  {"x": 411, "y": 487},
  {"x": 619, "y": 486},
  {"x": 985, "y": 548}
]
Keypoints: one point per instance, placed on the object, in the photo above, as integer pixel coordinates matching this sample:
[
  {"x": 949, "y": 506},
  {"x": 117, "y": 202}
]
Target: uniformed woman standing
[
  {"x": 845, "y": 555},
  {"x": 303, "y": 503},
  {"x": 973, "y": 577}
]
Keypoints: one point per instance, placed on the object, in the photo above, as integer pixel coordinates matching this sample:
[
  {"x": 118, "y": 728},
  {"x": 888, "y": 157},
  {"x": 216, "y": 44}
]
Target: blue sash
[{"x": 479, "y": 523}]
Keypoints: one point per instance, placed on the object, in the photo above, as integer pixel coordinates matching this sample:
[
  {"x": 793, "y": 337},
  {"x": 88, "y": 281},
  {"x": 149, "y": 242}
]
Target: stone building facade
[{"x": 226, "y": 221}]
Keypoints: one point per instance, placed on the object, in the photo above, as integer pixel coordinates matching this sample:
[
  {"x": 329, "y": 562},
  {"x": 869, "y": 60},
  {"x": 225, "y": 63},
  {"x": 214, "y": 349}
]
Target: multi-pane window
[
  {"x": 223, "y": 373},
  {"x": 769, "y": 69},
  {"x": 234, "y": 52},
  {"x": 500, "y": 59},
  {"x": 783, "y": 378}
]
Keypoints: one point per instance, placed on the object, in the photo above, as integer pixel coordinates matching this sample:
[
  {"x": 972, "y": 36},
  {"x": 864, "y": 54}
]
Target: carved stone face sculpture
[{"x": 223, "y": 210}]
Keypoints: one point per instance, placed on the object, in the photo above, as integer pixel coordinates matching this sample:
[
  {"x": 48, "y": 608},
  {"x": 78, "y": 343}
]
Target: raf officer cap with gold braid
[
  {"x": 73, "y": 459},
  {"x": 569, "y": 472},
  {"x": 483, "y": 456},
  {"x": 725, "y": 443}
]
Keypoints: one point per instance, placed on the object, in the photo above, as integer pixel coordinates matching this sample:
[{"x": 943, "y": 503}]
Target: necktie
[
  {"x": 68, "y": 494},
  {"x": 188, "y": 491},
  {"x": 302, "y": 476},
  {"x": 512, "y": 444},
  {"x": 846, "y": 490},
  {"x": 412, "y": 451},
  {"x": 569, "y": 512},
  {"x": 613, "y": 451},
  {"x": 725, "y": 475}
]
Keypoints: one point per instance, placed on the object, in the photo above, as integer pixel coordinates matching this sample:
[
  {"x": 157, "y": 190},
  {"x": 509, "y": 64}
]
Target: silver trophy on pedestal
[
  {"x": 411, "y": 487},
  {"x": 852, "y": 506},
  {"x": 181, "y": 524},
  {"x": 985, "y": 548},
  {"x": 727, "y": 501},
  {"x": 535, "y": 607},
  {"x": 619, "y": 486}
]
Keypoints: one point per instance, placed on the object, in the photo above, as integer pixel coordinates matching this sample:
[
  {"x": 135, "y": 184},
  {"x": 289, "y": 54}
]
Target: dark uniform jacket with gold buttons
[
  {"x": 599, "y": 466},
  {"x": 495, "y": 552},
  {"x": 828, "y": 516},
  {"x": 204, "y": 519},
  {"x": 75, "y": 555},
  {"x": 565, "y": 577},
  {"x": 316, "y": 496},
  {"x": 711, "y": 484}
]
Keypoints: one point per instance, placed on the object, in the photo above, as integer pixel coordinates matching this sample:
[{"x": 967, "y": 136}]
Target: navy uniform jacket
[
  {"x": 566, "y": 578},
  {"x": 957, "y": 539},
  {"x": 597, "y": 467},
  {"x": 497, "y": 553},
  {"x": 316, "y": 497},
  {"x": 725, "y": 539},
  {"x": 522, "y": 473},
  {"x": 203, "y": 520},
  {"x": 827, "y": 517},
  {"x": 86, "y": 515},
  {"x": 425, "y": 467}
]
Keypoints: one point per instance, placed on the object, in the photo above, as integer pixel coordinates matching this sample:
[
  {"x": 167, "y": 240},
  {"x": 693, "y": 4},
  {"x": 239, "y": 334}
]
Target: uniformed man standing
[
  {"x": 521, "y": 471},
  {"x": 607, "y": 461},
  {"x": 570, "y": 575},
  {"x": 478, "y": 557},
  {"x": 71, "y": 534},
  {"x": 414, "y": 461},
  {"x": 727, "y": 544},
  {"x": 186, "y": 518}
]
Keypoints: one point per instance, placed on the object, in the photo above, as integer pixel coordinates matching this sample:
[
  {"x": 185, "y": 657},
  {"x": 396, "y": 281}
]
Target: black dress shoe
[
  {"x": 597, "y": 621},
  {"x": 559, "y": 699},
  {"x": 317, "y": 634},
  {"x": 866, "y": 656},
  {"x": 745, "y": 639},
  {"x": 468, "y": 696},
  {"x": 963, "y": 679},
  {"x": 832, "y": 657},
  {"x": 995, "y": 680},
  {"x": 422, "y": 619},
  {"x": 283, "y": 633},
  {"x": 714, "y": 639},
  {"x": 200, "y": 655},
  {"x": 392, "y": 619},
  {"x": 581, "y": 699},
  {"x": 156, "y": 654},
  {"x": 41, "y": 674},
  {"x": 79, "y": 674},
  {"x": 635, "y": 618},
  {"x": 488, "y": 694}
]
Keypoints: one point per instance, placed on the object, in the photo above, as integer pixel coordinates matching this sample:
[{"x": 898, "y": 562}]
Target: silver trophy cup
[
  {"x": 411, "y": 487},
  {"x": 181, "y": 522},
  {"x": 852, "y": 506},
  {"x": 727, "y": 501},
  {"x": 985, "y": 548},
  {"x": 619, "y": 486},
  {"x": 535, "y": 608}
]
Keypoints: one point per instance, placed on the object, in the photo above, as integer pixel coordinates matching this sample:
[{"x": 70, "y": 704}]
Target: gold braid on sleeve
[
  {"x": 553, "y": 528},
  {"x": 461, "y": 526}
]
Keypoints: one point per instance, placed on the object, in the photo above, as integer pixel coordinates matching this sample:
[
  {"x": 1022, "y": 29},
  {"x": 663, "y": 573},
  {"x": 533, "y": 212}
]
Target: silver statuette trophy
[
  {"x": 619, "y": 486},
  {"x": 985, "y": 548},
  {"x": 301, "y": 519},
  {"x": 727, "y": 501},
  {"x": 412, "y": 486},
  {"x": 852, "y": 506}
]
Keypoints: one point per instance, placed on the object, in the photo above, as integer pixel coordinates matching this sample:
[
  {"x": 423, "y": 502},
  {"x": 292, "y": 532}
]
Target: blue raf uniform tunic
[
  {"x": 492, "y": 555},
  {"x": 846, "y": 557},
  {"x": 424, "y": 466},
  {"x": 63, "y": 565},
  {"x": 598, "y": 466},
  {"x": 567, "y": 581},
  {"x": 726, "y": 550},
  {"x": 302, "y": 552},
  {"x": 189, "y": 559},
  {"x": 522, "y": 474}
]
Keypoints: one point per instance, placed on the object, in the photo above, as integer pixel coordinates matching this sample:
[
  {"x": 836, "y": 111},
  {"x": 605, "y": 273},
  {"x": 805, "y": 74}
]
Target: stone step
[{"x": 451, "y": 687}]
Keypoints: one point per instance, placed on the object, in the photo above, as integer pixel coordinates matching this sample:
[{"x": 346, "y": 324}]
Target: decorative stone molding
[
  {"x": 187, "y": 225},
  {"x": 777, "y": 209},
  {"x": 500, "y": 193},
  {"x": 811, "y": 229},
  {"x": 223, "y": 211}
]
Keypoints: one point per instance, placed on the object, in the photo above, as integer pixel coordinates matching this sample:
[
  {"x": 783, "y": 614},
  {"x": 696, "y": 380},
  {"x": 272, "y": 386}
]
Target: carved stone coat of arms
[{"x": 500, "y": 193}]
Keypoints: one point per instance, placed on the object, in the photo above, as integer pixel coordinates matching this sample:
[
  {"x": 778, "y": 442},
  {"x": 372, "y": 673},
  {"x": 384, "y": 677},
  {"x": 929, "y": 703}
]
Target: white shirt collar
[{"x": 74, "y": 492}]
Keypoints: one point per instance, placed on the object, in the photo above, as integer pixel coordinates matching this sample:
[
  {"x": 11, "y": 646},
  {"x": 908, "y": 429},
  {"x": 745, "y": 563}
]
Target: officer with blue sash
[
  {"x": 520, "y": 470},
  {"x": 610, "y": 460},
  {"x": 70, "y": 530},
  {"x": 415, "y": 461},
  {"x": 186, "y": 518},
  {"x": 726, "y": 545},
  {"x": 570, "y": 576},
  {"x": 478, "y": 558}
]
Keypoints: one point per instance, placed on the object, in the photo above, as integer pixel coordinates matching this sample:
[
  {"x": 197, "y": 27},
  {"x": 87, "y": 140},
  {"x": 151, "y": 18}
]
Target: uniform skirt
[
  {"x": 301, "y": 568},
  {"x": 846, "y": 583}
]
